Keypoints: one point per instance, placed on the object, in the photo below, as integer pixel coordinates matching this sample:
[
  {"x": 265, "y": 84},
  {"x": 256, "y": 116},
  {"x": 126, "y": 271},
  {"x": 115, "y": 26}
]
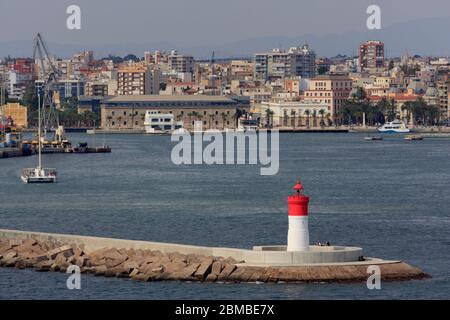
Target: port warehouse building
[{"x": 128, "y": 112}]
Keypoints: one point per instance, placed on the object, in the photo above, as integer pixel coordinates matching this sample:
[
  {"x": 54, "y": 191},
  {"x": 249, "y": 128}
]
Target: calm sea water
[{"x": 390, "y": 197}]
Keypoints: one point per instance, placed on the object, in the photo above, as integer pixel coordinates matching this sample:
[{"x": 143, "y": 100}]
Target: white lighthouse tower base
[{"x": 298, "y": 234}]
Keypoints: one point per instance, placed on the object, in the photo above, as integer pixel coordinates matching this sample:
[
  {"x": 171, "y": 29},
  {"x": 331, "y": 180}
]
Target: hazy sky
[{"x": 200, "y": 22}]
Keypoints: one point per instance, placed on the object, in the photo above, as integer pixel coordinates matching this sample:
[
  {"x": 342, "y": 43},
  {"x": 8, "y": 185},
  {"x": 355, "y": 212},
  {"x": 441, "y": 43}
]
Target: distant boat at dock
[{"x": 374, "y": 138}]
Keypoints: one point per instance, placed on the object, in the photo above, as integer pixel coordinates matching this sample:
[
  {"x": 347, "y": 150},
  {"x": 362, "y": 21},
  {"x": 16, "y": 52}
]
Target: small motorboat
[
  {"x": 374, "y": 138},
  {"x": 413, "y": 137}
]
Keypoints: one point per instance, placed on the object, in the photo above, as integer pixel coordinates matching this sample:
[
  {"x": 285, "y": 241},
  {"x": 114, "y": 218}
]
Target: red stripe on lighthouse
[
  {"x": 298, "y": 206},
  {"x": 298, "y": 203}
]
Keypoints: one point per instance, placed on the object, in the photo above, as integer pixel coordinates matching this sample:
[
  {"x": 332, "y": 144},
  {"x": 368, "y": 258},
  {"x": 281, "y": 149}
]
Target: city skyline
[{"x": 238, "y": 29}]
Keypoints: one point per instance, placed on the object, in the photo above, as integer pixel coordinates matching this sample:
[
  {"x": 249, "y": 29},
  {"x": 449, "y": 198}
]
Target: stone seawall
[{"x": 51, "y": 254}]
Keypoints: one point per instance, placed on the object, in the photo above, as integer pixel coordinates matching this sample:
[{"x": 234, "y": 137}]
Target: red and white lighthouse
[{"x": 298, "y": 234}]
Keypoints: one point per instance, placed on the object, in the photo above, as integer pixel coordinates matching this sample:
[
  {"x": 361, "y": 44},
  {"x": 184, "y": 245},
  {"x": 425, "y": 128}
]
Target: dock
[{"x": 15, "y": 152}]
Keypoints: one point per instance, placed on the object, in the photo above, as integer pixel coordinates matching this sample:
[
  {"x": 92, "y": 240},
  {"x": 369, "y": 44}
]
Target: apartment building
[
  {"x": 16, "y": 83},
  {"x": 137, "y": 80},
  {"x": 16, "y": 112},
  {"x": 66, "y": 88},
  {"x": 331, "y": 90},
  {"x": 278, "y": 64},
  {"x": 371, "y": 55},
  {"x": 443, "y": 102},
  {"x": 180, "y": 63}
]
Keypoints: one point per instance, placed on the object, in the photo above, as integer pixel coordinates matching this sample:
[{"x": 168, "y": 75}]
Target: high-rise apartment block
[
  {"x": 278, "y": 64},
  {"x": 137, "y": 80},
  {"x": 181, "y": 63},
  {"x": 371, "y": 55}
]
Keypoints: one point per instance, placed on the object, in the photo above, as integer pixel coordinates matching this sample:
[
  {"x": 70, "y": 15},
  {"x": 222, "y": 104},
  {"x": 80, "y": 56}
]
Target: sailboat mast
[{"x": 39, "y": 130}]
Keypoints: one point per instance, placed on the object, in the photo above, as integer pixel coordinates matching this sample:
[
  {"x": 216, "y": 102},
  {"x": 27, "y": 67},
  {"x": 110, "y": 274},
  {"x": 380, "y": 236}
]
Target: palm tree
[
  {"x": 329, "y": 121},
  {"x": 285, "y": 118},
  {"x": 421, "y": 112},
  {"x": 237, "y": 115},
  {"x": 224, "y": 117},
  {"x": 133, "y": 115},
  {"x": 293, "y": 116},
  {"x": 109, "y": 118},
  {"x": 322, "y": 115},
  {"x": 388, "y": 108},
  {"x": 211, "y": 118},
  {"x": 307, "y": 113},
  {"x": 269, "y": 115}
]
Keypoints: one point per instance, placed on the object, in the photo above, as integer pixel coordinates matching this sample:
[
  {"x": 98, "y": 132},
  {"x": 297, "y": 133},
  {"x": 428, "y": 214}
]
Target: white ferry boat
[
  {"x": 157, "y": 122},
  {"x": 395, "y": 126}
]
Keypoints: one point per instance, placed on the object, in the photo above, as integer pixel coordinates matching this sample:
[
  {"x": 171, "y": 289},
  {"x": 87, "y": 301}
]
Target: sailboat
[{"x": 39, "y": 174}]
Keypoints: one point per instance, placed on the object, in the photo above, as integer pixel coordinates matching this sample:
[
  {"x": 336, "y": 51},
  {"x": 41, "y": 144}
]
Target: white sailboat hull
[
  {"x": 38, "y": 179},
  {"x": 38, "y": 175}
]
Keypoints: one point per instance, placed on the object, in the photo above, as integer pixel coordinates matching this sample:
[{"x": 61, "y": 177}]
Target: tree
[
  {"x": 224, "y": 117},
  {"x": 322, "y": 115},
  {"x": 293, "y": 118},
  {"x": 421, "y": 113},
  {"x": 323, "y": 70},
  {"x": 388, "y": 108},
  {"x": 269, "y": 115},
  {"x": 307, "y": 113},
  {"x": 237, "y": 115},
  {"x": 131, "y": 57},
  {"x": 391, "y": 65},
  {"x": 109, "y": 118}
]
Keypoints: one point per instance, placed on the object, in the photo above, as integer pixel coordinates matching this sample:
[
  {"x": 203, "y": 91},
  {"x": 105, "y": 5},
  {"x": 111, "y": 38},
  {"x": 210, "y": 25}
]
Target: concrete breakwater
[{"x": 150, "y": 261}]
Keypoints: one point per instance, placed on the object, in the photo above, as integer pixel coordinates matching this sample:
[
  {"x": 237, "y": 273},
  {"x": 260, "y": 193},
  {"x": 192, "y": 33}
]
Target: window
[
  {"x": 113, "y": 123},
  {"x": 124, "y": 113},
  {"x": 113, "y": 113}
]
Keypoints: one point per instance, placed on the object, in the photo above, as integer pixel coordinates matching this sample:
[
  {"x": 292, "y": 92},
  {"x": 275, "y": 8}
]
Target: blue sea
[{"x": 390, "y": 197}]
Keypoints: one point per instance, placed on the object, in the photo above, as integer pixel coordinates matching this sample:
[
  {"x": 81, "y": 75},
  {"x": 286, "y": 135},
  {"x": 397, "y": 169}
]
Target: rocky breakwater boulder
[
  {"x": 147, "y": 265},
  {"x": 142, "y": 265}
]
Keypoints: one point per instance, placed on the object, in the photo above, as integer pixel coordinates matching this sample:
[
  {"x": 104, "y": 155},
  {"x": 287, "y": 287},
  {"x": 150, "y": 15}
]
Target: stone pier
[{"x": 154, "y": 261}]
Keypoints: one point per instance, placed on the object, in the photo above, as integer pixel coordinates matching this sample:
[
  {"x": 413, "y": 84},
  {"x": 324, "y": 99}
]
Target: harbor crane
[{"x": 49, "y": 74}]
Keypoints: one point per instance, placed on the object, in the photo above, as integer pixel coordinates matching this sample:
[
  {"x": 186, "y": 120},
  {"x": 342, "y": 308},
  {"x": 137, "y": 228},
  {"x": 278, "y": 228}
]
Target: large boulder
[
  {"x": 226, "y": 272},
  {"x": 67, "y": 250},
  {"x": 204, "y": 269}
]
